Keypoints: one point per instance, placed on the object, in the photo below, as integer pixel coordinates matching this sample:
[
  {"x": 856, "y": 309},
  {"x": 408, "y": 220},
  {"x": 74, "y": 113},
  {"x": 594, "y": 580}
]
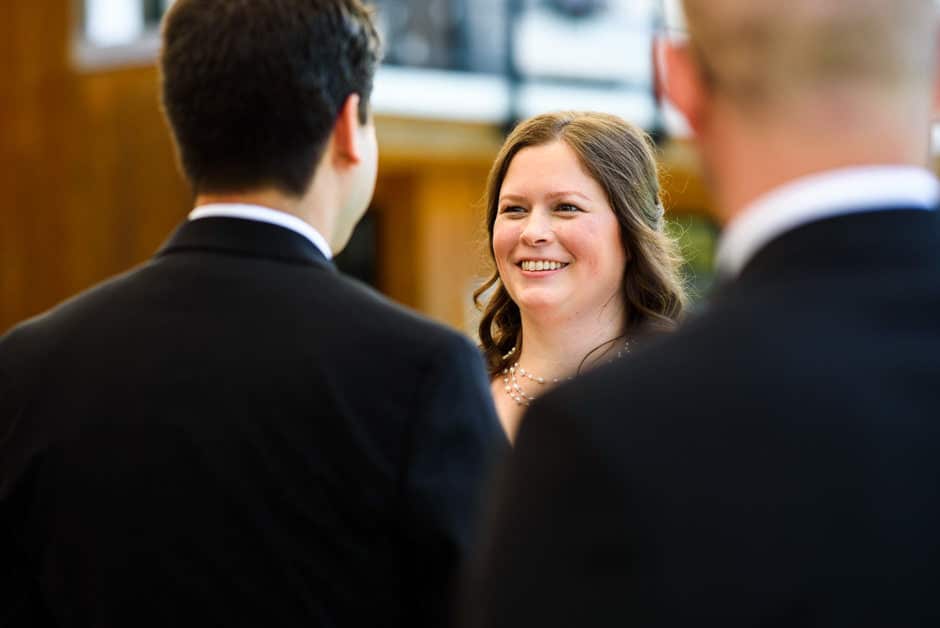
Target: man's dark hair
[{"x": 252, "y": 88}]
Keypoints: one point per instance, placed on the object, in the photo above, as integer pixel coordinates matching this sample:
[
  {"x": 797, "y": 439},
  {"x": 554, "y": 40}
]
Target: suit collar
[
  {"x": 264, "y": 214},
  {"x": 819, "y": 196},
  {"x": 860, "y": 243},
  {"x": 247, "y": 238},
  {"x": 875, "y": 238}
]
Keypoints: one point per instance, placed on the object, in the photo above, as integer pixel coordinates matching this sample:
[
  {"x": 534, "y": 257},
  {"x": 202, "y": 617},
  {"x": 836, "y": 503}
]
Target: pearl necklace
[{"x": 512, "y": 374}]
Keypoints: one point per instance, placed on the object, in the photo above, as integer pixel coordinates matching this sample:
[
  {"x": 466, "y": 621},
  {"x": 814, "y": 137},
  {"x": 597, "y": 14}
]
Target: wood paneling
[
  {"x": 34, "y": 125},
  {"x": 129, "y": 193},
  {"x": 88, "y": 168},
  {"x": 432, "y": 242}
]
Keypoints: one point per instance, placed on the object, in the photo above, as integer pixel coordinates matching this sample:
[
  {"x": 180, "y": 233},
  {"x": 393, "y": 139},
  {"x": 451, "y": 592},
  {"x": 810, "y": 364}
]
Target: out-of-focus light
[
  {"x": 113, "y": 22},
  {"x": 438, "y": 94},
  {"x": 674, "y": 122},
  {"x": 636, "y": 106},
  {"x": 610, "y": 45},
  {"x": 443, "y": 95},
  {"x": 673, "y": 17}
]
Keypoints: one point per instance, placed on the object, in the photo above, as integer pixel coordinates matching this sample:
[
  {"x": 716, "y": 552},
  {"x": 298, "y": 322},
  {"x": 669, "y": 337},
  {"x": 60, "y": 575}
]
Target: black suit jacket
[
  {"x": 234, "y": 434},
  {"x": 774, "y": 463}
]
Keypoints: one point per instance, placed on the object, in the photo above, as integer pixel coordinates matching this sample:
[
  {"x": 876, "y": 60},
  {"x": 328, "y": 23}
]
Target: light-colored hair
[
  {"x": 757, "y": 51},
  {"x": 619, "y": 156}
]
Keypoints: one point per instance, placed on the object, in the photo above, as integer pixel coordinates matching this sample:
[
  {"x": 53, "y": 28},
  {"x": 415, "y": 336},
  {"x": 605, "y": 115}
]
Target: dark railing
[
  {"x": 479, "y": 35},
  {"x": 461, "y": 35}
]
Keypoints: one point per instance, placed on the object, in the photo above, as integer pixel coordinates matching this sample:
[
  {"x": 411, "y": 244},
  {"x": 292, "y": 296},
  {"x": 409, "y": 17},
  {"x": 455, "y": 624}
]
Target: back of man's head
[
  {"x": 761, "y": 53},
  {"x": 252, "y": 88}
]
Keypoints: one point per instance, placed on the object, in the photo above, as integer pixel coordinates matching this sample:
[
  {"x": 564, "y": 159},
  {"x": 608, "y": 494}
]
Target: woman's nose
[{"x": 538, "y": 229}]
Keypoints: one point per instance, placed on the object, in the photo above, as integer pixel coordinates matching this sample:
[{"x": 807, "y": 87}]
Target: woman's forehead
[{"x": 548, "y": 170}]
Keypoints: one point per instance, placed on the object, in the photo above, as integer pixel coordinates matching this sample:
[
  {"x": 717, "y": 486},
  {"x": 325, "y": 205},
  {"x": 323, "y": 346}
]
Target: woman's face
[{"x": 556, "y": 240}]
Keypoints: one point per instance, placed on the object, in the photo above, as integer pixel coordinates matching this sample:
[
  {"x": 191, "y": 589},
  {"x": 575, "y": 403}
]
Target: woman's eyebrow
[
  {"x": 568, "y": 193},
  {"x": 552, "y": 195}
]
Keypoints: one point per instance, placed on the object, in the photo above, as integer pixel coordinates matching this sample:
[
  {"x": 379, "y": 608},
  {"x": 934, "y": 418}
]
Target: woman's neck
[{"x": 554, "y": 349}]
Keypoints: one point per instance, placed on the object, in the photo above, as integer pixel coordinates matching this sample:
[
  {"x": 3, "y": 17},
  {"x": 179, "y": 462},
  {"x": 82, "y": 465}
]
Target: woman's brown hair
[{"x": 620, "y": 158}]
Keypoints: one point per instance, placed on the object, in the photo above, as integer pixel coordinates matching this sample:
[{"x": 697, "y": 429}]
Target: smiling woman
[
  {"x": 556, "y": 240},
  {"x": 582, "y": 263}
]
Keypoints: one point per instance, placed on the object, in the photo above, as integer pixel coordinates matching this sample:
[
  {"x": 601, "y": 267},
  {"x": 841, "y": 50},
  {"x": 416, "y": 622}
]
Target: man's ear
[
  {"x": 680, "y": 80},
  {"x": 936, "y": 75},
  {"x": 346, "y": 142}
]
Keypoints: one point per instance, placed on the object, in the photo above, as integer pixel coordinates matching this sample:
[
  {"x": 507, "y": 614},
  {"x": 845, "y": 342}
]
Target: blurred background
[{"x": 91, "y": 187}]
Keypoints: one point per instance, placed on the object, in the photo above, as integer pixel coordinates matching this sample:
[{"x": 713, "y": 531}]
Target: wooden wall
[
  {"x": 91, "y": 187},
  {"x": 88, "y": 162},
  {"x": 32, "y": 163}
]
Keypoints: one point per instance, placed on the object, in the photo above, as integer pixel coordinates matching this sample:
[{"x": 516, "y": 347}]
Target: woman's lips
[{"x": 541, "y": 265}]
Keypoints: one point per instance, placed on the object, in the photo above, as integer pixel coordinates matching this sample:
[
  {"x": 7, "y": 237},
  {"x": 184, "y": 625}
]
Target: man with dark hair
[
  {"x": 775, "y": 462},
  {"x": 234, "y": 434}
]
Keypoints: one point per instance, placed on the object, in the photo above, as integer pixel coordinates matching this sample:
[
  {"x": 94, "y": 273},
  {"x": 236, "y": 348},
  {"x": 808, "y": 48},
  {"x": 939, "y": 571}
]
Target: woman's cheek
[{"x": 503, "y": 241}]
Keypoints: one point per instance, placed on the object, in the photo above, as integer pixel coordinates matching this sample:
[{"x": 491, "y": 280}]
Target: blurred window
[
  {"x": 118, "y": 32},
  {"x": 475, "y": 60},
  {"x": 462, "y": 35},
  {"x": 121, "y": 22},
  {"x": 530, "y": 56}
]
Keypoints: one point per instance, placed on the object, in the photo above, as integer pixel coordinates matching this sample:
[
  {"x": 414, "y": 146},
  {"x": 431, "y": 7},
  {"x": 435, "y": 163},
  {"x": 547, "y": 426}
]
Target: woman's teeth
[{"x": 541, "y": 265}]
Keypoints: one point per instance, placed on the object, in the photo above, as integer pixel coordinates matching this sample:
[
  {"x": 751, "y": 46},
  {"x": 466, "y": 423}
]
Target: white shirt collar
[
  {"x": 263, "y": 214},
  {"x": 819, "y": 196}
]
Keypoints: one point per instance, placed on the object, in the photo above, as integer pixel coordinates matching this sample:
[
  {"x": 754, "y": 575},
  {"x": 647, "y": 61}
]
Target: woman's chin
[{"x": 539, "y": 305}]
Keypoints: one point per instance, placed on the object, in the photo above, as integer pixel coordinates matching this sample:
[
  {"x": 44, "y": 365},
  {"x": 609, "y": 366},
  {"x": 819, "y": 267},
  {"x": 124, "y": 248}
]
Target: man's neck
[
  {"x": 271, "y": 199},
  {"x": 748, "y": 161},
  {"x": 753, "y": 187},
  {"x": 276, "y": 200}
]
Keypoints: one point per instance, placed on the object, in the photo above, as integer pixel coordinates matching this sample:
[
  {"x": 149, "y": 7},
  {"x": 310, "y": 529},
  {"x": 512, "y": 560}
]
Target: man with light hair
[{"x": 774, "y": 462}]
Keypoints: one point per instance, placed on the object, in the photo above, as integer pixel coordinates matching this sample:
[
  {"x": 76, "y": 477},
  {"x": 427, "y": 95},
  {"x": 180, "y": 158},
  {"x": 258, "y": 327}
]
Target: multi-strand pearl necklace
[{"x": 512, "y": 374}]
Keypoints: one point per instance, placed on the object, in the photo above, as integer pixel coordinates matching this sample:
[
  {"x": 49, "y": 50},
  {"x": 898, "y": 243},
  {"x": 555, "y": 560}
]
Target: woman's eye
[
  {"x": 567, "y": 207},
  {"x": 512, "y": 209}
]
